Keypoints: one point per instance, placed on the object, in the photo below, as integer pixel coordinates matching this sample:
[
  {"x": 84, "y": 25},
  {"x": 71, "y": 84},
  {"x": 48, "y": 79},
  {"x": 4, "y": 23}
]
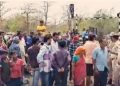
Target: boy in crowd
[
  {"x": 44, "y": 60},
  {"x": 4, "y": 69},
  {"x": 100, "y": 59},
  {"x": 17, "y": 69},
  {"x": 32, "y": 54}
]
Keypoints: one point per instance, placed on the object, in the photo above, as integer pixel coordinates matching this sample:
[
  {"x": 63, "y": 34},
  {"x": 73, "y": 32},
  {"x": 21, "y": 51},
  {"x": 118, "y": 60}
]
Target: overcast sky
[{"x": 83, "y": 7}]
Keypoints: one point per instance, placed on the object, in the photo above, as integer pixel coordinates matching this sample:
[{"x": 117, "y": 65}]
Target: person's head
[
  {"x": 24, "y": 34},
  {"x": 91, "y": 37},
  {"x": 87, "y": 31},
  {"x": 13, "y": 55},
  {"x": 47, "y": 39},
  {"x": 59, "y": 33},
  {"x": 55, "y": 36},
  {"x": 31, "y": 33},
  {"x": 39, "y": 34},
  {"x": 35, "y": 40},
  {"x": 114, "y": 38},
  {"x": 41, "y": 22},
  {"x": 3, "y": 54},
  {"x": 72, "y": 35},
  {"x": 75, "y": 39},
  {"x": 102, "y": 42},
  {"x": 18, "y": 33},
  {"x": 16, "y": 40},
  {"x": 83, "y": 29},
  {"x": 62, "y": 44}
]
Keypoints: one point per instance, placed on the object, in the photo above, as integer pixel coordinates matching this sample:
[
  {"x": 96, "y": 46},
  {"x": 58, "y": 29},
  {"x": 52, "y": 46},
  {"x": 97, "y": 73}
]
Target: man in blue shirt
[
  {"x": 85, "y": 35},
  {"x": 100, "y": 58}
]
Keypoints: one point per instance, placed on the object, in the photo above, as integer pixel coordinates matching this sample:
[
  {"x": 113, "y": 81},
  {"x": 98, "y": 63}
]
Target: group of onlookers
[{"x": 53, "y": 58}]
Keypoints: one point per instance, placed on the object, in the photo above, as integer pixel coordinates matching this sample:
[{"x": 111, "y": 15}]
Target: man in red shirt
[{"x": 17, "y": 69}]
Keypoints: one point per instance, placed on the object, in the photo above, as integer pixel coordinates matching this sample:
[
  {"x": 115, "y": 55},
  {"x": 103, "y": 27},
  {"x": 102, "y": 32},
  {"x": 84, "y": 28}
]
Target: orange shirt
[
  {"x": 16, "y": 68},
  {"x": 89, "y": 48}
]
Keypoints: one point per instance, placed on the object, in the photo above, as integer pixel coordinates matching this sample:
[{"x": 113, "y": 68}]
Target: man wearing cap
[
  {"x": 114, "y": 57},
  {"x": 116, "y": 74},
  {"x": 111, "y": 44}
]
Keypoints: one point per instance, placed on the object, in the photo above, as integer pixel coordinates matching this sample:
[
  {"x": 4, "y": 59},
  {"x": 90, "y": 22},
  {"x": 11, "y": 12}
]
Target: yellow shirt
[{"x": 41, "y": 29}]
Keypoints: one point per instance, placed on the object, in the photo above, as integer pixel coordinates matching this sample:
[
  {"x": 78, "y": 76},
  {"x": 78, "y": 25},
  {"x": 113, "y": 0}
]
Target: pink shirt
[
  {"x": 89, "y": 47},
  {"x": 16, "y": 69}
]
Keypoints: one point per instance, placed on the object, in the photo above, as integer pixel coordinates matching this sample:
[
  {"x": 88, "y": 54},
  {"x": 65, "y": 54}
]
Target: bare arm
[
  {"x": 73, "y": 65},
  {"x": 115, "y": 53}
]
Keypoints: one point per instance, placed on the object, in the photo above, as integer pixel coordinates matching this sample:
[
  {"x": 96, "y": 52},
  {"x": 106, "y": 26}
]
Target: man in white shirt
[
  {"x": 44, "y": 60},
  {"x": 116, "y": 62},
  {"x": 54, "y": 48},
  {"x": 114, "y": 57},
  {"x": 54, "y": 42}
]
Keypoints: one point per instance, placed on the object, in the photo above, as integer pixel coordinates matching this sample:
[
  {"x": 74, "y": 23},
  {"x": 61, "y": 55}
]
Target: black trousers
[{"x": 101, "y": 79}]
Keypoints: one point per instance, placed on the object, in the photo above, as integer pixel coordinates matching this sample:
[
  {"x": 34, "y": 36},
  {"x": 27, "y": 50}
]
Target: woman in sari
[{"x": 79, "y": 67}]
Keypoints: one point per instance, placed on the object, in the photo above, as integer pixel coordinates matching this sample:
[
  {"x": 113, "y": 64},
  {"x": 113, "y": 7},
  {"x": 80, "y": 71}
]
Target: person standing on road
[
  {"x": 16, "y": 70},
  {"x": 89, "y": 46},
  {"x": 14, "y": 47},
  {"x": 115, "y": 60},
  {"x": 41, "y": 28},
  {"x": 4, "y": 68},
  {"x": 117, "y": 81},
  {"x": 100, "y": 61},
  {"x": 72, "y": 47},
  {"x": 32, "y": 55},
  {"x": 79, "y": 67},
  {"x": 60, "y": 63},
  {"x": 111, "y": 47},
  {"x": 54, "y": 48},
  {"x": 85, "y": 35},
  {"x": 44, "y": 59}
]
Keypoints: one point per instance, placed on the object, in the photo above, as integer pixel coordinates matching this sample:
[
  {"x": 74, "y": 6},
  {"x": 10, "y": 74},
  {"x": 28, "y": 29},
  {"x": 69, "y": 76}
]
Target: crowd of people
[{"x": 53, "y": 59}]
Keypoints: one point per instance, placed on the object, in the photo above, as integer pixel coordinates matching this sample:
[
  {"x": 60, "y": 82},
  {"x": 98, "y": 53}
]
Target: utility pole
[
  {"x": 69, "y": 21},
  {"x": 71, "y": 10},
  {"x": 68, "y": 17}
]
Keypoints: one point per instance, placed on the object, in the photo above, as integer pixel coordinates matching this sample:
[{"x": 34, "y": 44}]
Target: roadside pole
[{"x": 71, "y": 10}]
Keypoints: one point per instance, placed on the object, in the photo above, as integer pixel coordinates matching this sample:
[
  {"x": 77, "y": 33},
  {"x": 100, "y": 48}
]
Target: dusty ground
[{"x": 30, "y": 82}]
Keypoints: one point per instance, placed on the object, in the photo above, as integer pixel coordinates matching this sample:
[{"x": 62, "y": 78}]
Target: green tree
[
  {"x": 102, "y": 20},
  {"x": 16, "y": 23}
]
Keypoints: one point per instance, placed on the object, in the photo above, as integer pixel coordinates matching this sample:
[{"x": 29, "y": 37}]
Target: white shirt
[
  {"x": 45, "y": 48},
  {"x": 40, "y": 57},
  {"x": 54, "y": 46}
]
